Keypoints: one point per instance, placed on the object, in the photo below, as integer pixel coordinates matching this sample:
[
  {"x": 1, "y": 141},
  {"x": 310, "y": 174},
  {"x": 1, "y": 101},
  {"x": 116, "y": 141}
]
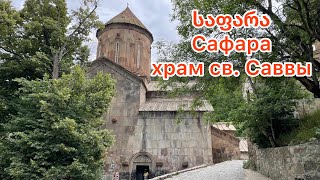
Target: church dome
[{"x": 127, "y": 17}]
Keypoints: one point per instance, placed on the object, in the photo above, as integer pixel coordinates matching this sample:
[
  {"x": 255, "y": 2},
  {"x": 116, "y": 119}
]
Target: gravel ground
[{"x": 229, "y": 170}]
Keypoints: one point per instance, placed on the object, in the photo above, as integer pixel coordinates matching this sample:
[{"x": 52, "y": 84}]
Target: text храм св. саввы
[{"x": 226, "y": 45}]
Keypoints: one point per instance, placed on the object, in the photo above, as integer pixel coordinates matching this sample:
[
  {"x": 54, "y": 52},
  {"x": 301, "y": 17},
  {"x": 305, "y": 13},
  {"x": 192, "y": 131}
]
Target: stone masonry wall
[
  {"x": 132, "y": 45},
  {"x": 289, "y": 163},
  {"x": 122, "y": 116},
  {"x": 153, "y": 139},
  {"x": 176, "y": 145},
  {"x": 224, "y": 146}
]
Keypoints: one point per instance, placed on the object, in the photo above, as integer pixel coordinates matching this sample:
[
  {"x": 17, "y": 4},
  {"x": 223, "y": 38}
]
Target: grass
[
  {"x": 249, "y": 164},
  {"x": 309, "y": 128}
]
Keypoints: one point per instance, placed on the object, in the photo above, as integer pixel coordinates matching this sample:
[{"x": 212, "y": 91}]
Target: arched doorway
[{"x": 141, "y": 163}]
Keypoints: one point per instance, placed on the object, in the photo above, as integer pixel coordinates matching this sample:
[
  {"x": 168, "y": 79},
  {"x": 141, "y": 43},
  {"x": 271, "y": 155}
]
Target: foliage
[
  {"x": 263, "y": 114},
  {"x": 266, "y": 112},
  {"x": 296, "y": 26},
  {"x": 49, "y": 129},
  {"x": 55, "y": 133},
  {"x": 249, "y": 164},
  {"x": 47, "y": 28},
  {"x": 41, "y": 38},
  {"x": 270, "y": 112},
  {"x": 309, "y": 127},
  {"x": 225, "y": 95}
]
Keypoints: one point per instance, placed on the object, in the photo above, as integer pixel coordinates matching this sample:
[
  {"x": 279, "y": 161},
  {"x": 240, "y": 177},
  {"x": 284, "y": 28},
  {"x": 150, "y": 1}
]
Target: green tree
[
  {"x": 41, "y": 38},
  {"x": 46, "y": 27},
  {"x": 49, "y": 128},
  {"x": 296, "y": 27},
  {"x": 55, "y": 133},
  {"x": 267, "y": 113},
  {"x": 261, "y": 108}
]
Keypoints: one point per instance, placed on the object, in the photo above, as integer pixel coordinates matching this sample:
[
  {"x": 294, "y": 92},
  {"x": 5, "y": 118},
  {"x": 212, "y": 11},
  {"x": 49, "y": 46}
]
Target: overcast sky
[{"x": 154, "y": 14}]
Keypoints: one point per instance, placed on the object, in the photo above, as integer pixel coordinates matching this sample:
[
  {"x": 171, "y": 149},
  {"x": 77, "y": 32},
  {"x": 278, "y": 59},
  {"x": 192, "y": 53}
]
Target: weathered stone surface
[
  {"x": 287, "y": 163},
  {"x": 127, "y": 46},
  {"x": 225, "y": 146},
  {"x": 157, "y": 134},
  {"x": 144, "y": 137},
  {"x": 189, "y": 145},
  {"x": 164, "y": 152}
]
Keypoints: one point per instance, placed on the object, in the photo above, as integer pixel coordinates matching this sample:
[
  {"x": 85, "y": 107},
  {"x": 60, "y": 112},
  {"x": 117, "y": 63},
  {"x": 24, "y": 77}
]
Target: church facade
[{"x": 142, "y": 117}]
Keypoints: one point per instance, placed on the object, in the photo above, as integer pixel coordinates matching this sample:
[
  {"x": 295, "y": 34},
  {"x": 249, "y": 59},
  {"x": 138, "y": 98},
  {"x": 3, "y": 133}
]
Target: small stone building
[
  {"x": 142, "y": 117},
  {"x": 243, "y": 146}
]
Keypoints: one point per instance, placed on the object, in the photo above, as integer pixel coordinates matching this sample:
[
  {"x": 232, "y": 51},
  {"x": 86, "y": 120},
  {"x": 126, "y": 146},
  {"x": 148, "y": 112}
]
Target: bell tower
[{"x": 127, "y": 42}]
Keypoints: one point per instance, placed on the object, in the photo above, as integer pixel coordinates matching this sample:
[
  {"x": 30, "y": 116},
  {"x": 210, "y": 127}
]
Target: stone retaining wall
[{"x": 289, "y": 163}]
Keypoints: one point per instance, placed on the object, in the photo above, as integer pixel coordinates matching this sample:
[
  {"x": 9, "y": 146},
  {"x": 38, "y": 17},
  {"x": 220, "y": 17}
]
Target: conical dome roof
[{"x": 127, "y": 17}]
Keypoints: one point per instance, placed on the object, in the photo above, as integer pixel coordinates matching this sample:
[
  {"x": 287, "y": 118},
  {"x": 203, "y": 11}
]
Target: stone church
[{"x": 142, "y": 117}]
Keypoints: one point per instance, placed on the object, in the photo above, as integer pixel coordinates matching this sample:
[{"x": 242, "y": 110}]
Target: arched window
[{"x": 117, "y": 51}]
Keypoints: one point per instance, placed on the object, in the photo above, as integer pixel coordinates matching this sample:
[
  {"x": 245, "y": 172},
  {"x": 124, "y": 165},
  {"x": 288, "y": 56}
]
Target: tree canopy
[
  {"x": 41, "y": 38},
  {"x": 55, "y": 133},
  {"x": 50, "y": 111},
  {"x": 267, "y": 111},
  {"x": 294, "y": 30}
]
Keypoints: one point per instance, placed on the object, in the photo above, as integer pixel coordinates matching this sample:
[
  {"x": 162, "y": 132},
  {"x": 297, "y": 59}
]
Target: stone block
[
  {"x": 199, "y": 160},
  {"x": 164, "y": 151}
]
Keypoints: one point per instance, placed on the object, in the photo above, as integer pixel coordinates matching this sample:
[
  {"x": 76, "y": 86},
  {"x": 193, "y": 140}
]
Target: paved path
[
  {"x": 229, "y": 170},
  {"x": 253, "y": 175}
]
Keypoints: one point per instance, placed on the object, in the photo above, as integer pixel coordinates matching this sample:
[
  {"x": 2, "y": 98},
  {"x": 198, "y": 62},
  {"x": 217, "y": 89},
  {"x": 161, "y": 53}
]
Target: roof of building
[
  {"x": 224, "y": 126},
  {"x": 172, "y": 105},
  {"x": 127, "y": 17},
  {"x": 243, "y": 145},
  {"x": 104, "y": 61}
]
